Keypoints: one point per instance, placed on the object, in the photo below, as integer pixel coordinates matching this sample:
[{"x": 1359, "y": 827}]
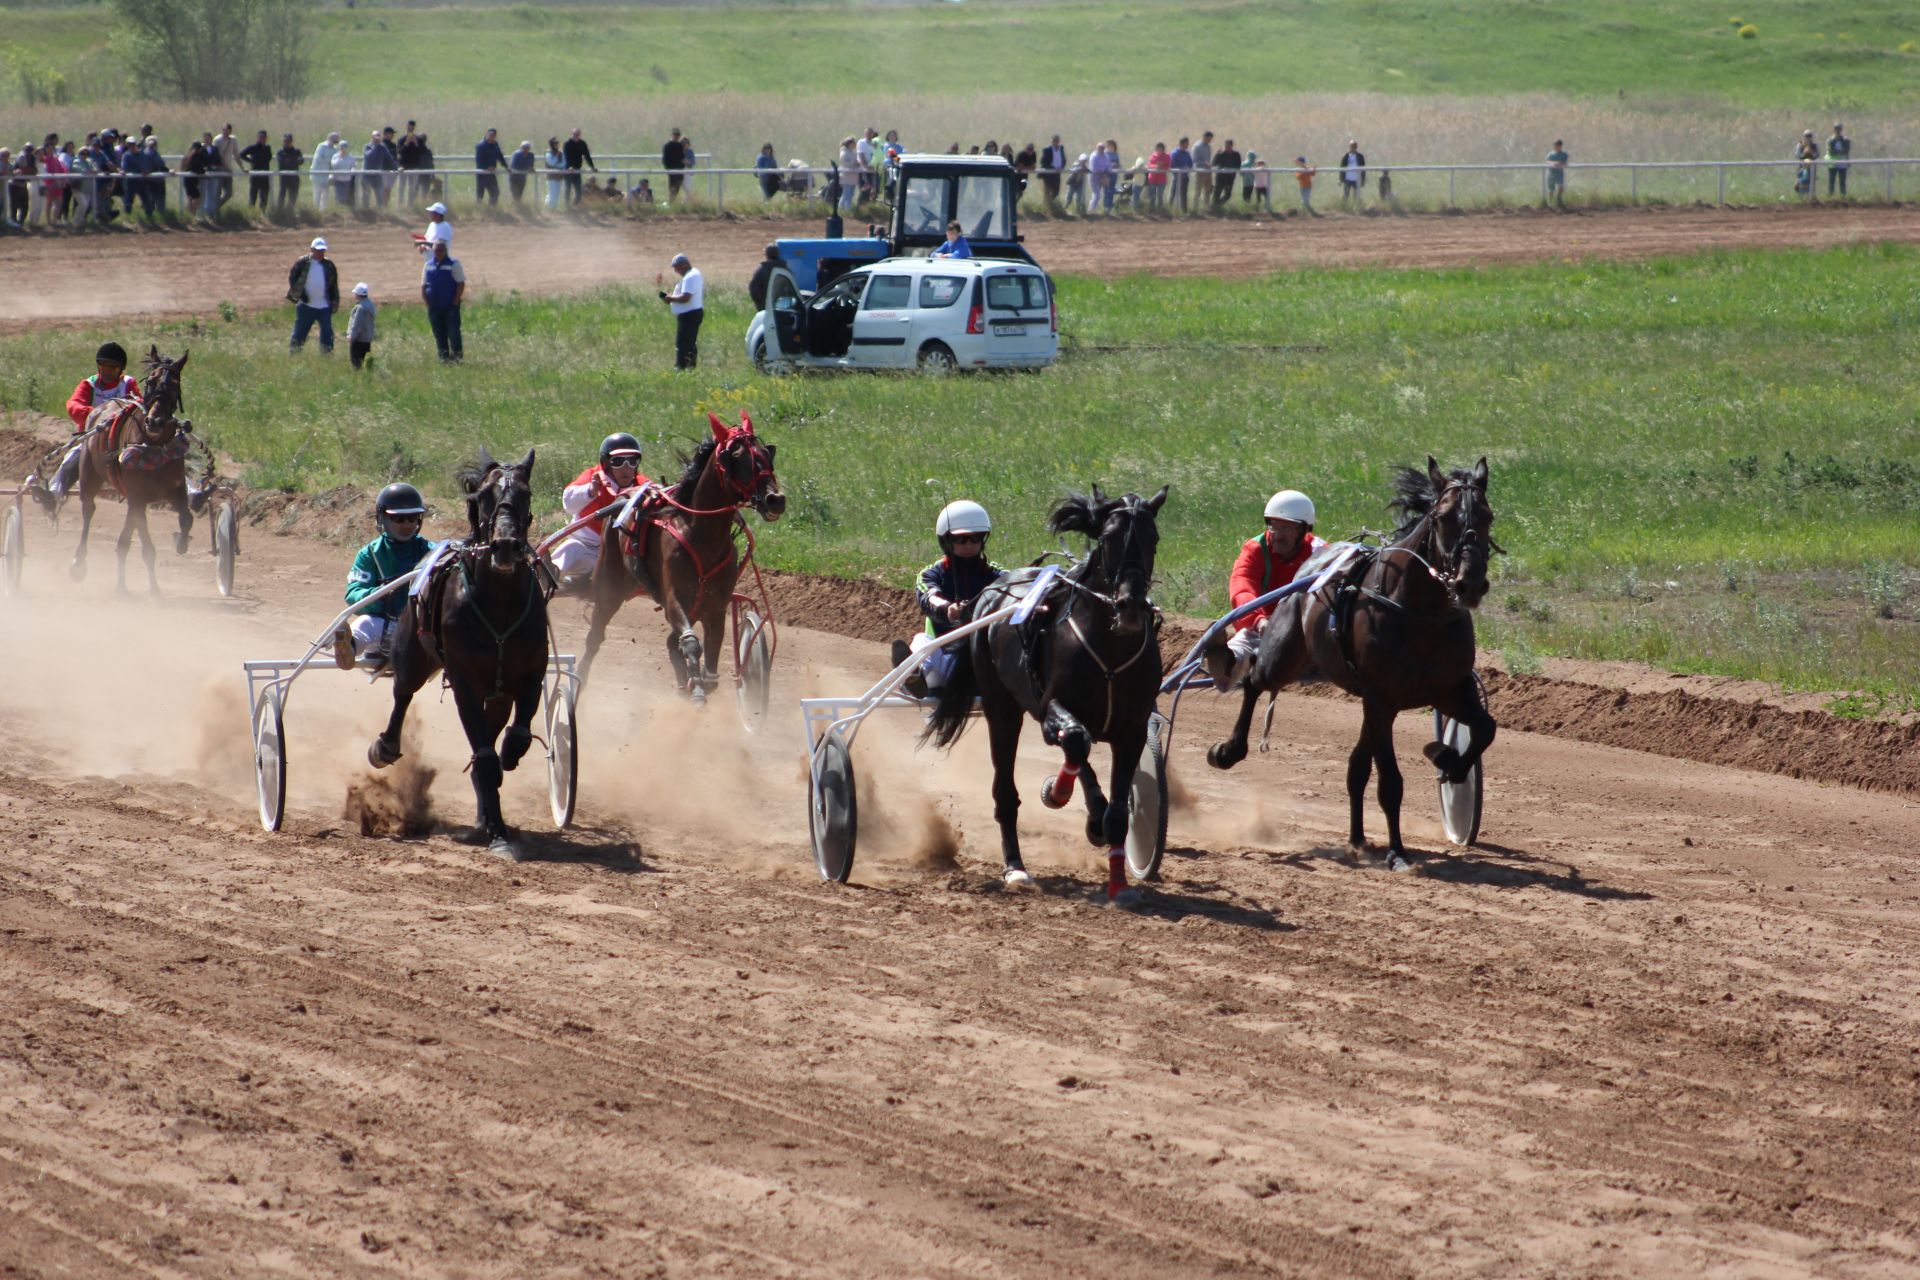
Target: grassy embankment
[
  {"x": 1710, "y": 463},
  {"x": 1417, "y": 81}
]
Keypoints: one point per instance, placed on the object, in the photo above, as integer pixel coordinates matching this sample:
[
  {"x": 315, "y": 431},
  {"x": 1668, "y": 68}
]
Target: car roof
[{"x": 948, "y": 266}]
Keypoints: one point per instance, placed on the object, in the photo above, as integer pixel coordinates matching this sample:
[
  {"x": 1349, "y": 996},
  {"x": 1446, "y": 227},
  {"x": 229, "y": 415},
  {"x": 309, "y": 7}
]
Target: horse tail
[{"x": 950, "y": 715}]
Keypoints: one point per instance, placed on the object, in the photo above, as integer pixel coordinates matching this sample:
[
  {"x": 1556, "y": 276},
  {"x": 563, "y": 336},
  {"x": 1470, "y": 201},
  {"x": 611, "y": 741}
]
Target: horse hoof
[
  {"x": 180, "y": 542},
  {"x": 503, "y": 848},
  {"x": 1127, "y": 899},
  {"x": 1016, "y": 878},
  {"x": 1046, "y": 794},
  {"x": 378, "y": 756},
  {"x": 474, "y": 836},
  {"x": 1398, "y": 862},
  {"x": 77, "y": 570},
  {"x": 1224, "y": 755}
]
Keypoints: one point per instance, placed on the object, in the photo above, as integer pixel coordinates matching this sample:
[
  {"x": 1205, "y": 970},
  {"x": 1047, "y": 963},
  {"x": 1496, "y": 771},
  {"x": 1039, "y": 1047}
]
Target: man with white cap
[
  {"x": 1265, "y": 564},
  {"x": 439, "y": 230},
  {"x": 688, "y": 301},
  {"x": 313, "y": 287}
]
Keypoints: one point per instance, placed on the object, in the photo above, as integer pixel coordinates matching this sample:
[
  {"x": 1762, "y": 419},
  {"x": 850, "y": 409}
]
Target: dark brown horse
[
  {"x": 1405, "y": 640},
  {"x": 681, "y": 551},
  {"x": 1095, "y": 679},
  {"x": 139, "y": 450},
  {"x": 485, "y": 622}
]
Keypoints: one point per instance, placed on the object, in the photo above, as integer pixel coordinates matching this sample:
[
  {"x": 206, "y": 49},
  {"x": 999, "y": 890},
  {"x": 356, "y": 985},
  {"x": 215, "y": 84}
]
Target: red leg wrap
[{"x": 1116, "y": 872}]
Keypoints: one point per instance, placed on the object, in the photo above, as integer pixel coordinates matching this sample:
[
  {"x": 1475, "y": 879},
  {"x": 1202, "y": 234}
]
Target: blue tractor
[{"x": 925, "y": 192}]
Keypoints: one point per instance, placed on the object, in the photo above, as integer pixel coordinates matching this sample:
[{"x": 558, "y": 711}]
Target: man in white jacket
[{"x": 322, "y": 171}]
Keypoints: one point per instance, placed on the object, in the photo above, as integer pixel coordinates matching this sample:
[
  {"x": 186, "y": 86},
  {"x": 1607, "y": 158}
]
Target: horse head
[
  {"x": 744, "y": 466},
  {"x": 161, "y": 395},
  {"x": 500, "y": 507},
  {"x": 1459, "y": 523},
  {"x": 1125, "y": 538}
]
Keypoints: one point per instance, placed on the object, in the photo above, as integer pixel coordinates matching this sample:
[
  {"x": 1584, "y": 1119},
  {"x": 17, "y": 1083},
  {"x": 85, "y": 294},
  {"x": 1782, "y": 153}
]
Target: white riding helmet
[
  {"x": 1291, "y": 504},
  {"x": 962, "y": 517}
]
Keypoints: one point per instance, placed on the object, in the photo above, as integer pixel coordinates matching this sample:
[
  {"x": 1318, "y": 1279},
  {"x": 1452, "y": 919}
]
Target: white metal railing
[{"x": 815, "y": 178}]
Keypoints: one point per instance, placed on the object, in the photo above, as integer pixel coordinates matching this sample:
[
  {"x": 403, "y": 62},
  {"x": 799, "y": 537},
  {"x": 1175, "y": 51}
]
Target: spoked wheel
[
  {"x": 226, "y": 545},
  {"x": 13, "y": 551},
  {"x": 752, "y": 690},
  {"x": 563, "y": 753},
  {"x": 834, "y": 814},
  {"x": 1147, "y": 819},
  {"x": 270, "y": 760},
  {"x": 1459, "y": 801}
]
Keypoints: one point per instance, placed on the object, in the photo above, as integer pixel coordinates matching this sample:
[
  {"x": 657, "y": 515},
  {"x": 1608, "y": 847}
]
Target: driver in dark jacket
[{"x": 947, "y": 590}]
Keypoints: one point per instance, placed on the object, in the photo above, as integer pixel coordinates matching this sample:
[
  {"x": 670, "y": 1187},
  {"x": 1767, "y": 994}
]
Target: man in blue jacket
[
  {"x": 487, "y": 157},
  {"x": 442, "y": 287}
]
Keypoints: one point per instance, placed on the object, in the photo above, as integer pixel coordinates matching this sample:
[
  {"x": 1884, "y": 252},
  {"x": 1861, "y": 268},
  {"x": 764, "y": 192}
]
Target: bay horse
[
  {"x": 139, "y": 449},
  {"x": 682, "y": 552},
  {"x": 483, "y": 618},
  {"x": 1087, "y": 668},
  {"x": 1405, "y": 641}
]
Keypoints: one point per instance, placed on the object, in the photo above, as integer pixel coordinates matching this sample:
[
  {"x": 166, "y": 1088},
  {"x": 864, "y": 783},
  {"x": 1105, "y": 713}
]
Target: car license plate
[{"x": 1009, "y": 331}]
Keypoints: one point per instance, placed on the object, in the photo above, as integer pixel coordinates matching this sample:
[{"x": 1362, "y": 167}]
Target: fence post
[
  {"x": 1633, "y": 171},
  {"x": 1450, "y": 201},
  {"x": 1889, "y": 168},
  {"x": 720, "y": 191},
  {"x": 1723, "y": 186}
]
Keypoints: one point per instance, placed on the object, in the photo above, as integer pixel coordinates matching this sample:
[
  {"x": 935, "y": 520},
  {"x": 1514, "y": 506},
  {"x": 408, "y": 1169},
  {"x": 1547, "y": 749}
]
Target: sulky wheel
[
  {"x": 754, "y": 687},
  {"x": 226, "y": 545},
  {"x": 1147, "y": 821},
  {"x": 13, "y": 550},
  {"x": 1459, "y": 801},
  {"x": 563, "y": 753},
  {"x": 833, "y": 811},
  {"x": 270, "y": 759}
]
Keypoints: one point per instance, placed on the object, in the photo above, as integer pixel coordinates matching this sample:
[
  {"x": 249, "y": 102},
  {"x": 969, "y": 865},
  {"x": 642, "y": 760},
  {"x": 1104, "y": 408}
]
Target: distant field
[
  {"x": 1707, "y": 463},
  {"x": 1817, "y": 58}
]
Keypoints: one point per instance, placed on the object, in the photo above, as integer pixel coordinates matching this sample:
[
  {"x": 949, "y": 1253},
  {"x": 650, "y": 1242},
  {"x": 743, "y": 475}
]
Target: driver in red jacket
[
  {"x": 110, "y": 382},
  {"x": 598, "y": 487},
  {"x": 1267, "y": 562}
]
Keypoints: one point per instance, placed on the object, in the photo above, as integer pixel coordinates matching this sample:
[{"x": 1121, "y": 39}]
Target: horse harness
[{"x": 1339, "y": 597}]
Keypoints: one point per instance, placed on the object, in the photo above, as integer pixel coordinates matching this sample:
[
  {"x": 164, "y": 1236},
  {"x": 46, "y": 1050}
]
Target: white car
[{"x": 905, "y": 313}]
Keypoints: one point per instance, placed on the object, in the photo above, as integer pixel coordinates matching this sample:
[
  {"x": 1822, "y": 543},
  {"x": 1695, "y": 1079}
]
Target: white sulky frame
[{"x": 270, "y": 682}]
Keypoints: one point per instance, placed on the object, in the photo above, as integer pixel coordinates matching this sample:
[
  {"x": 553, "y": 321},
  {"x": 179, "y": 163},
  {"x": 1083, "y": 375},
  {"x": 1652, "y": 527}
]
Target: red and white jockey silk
[{"x": 90, "y": 394}]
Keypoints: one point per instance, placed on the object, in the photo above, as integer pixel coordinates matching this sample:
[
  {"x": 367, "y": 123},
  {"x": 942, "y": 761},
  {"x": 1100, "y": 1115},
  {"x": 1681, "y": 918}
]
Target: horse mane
[
  {"x": 696, "y": 462},
  {"x": 1414, "y": 495},
  {"x": 1082, "y": 513},
  {"x": 472, "y": 476}
]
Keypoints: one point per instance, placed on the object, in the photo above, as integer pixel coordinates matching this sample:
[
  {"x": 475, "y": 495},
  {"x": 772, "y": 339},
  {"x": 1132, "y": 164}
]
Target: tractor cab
[{"x": 925, "y": 192}]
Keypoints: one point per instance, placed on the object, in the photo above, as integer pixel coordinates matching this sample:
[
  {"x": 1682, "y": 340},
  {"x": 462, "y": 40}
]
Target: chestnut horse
[
  {"x": 1406, "y": 640},
  {"x": 682, "y": 551},
  {"x": 139, "y": 449}
]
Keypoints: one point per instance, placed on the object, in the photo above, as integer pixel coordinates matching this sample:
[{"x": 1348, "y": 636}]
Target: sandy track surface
[
  {"x": 59, "y": 276},
  {"x": 1663, "y": 1021}
]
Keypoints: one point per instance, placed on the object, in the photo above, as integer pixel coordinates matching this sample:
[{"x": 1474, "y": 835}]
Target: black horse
[
  {"x": 1406, "y": 639},
  {"x": 484, "y": 619},
  {"x": 1088, "y": 669}
]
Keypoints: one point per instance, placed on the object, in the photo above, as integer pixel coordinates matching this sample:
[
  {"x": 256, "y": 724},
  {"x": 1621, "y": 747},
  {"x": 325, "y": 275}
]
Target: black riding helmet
[
  {"x": 398, "y": 499},
  {"x": 619, "y": 442},
  {"x": 111, "y": 351}
]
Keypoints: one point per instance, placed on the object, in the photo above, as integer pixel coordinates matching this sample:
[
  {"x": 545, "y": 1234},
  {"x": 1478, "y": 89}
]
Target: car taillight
[
  {"x": 1053, "y": 315},
  {"x": 973, "y": 320}
]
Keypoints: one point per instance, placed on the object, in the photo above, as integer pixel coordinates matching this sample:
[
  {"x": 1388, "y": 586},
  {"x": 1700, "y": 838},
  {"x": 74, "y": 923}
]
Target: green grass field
[
  {"x": 1811, "y": 56},
  {"x": 1707, "y": 463}
]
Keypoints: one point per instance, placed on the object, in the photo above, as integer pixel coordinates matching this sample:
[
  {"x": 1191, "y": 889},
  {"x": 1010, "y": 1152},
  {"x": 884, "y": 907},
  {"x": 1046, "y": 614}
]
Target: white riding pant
[
  {"x": 938, "y": 664},
  {"x": 575, "y": 553},
  {"x": 1244, "y": 644},
  {"x": 369, "y": 630}
]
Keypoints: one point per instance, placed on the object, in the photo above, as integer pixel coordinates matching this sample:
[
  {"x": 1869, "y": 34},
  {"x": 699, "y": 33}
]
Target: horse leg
[
  {"x": 713, "y": 634},
  {"x": 136, "y": 515},
  {"x": 411, "y": 667},
  {"x": 1279, "y": 662},
  {"x": 146, "y": 547},
  {"x": 1464, "y": 705},
  {"x": 1059, "y": 728},
  {"x": 1004, "y": 722},
  {"x": 683, "y": 649},
  {"x": 182, "y": 539},
  {"x": 609, "y": 593},
  {"x": 519, "y": 735},
  {"x": 1126, "y": 760},
  {"x": 78, "y": 569},
  {"x": 489, "y": 824},
  {"x": 1379, "y": 732}
]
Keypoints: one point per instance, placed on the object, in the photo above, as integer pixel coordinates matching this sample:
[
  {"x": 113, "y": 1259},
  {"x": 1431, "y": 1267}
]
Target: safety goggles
[{"x": 963, "y": 539}]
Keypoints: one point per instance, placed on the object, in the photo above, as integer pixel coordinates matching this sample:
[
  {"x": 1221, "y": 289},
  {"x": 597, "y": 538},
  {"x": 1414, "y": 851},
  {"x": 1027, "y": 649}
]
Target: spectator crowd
[{"x": 109, "y": 173}]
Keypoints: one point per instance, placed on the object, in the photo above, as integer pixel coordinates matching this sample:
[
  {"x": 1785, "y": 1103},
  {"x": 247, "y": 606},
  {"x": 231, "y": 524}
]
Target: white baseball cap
[
  {"x": 319, "y": 242},
  {"x": 360, "y": 290},
  {"x": 437, "y": 207}
]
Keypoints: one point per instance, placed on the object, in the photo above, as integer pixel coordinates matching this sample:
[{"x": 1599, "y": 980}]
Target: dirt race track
[
  {"x": 193, "y": 271},
  {"x": 1663, "y": 1021}
]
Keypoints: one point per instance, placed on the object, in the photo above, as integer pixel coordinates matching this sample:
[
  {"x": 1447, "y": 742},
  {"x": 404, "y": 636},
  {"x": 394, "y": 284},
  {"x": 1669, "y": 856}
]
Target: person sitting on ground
[
  {"x": 368, "y": 635},
  {"x": 1266, "y": 563},
  {"x": 947, "y": 589},
  {"x": 598, "y": 487},
  {"x": 109, "y": 382},
  {"x": 956, "y": 245},
  {"x": 640, "y": 193}
]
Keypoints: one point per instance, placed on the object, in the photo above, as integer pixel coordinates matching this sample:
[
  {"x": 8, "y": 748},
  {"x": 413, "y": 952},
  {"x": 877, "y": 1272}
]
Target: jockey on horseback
[
  {"x": 1265, "y": 563},
  {"x": 110, "y": 382},
  {"x": 595, "y": 489},
  {"x": 397, "y": 512},
  {"x": 947, "y": 588}
]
